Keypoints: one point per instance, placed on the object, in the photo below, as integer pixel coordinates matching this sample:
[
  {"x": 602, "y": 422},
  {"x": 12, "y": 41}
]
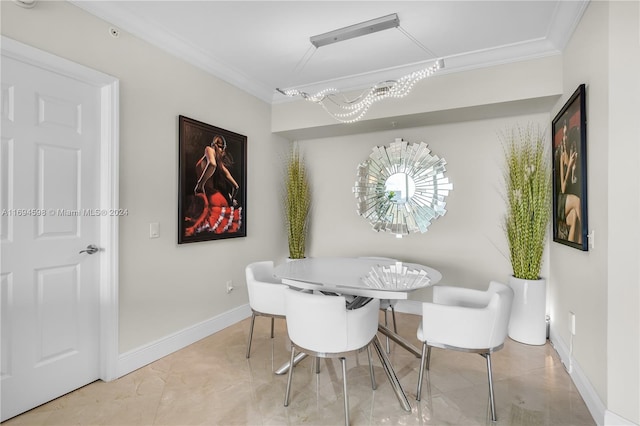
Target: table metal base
[
  {"x": 393, "y": 379},
  {"x": 399, "y": 340},
  {"x": 285, "y": 368}
]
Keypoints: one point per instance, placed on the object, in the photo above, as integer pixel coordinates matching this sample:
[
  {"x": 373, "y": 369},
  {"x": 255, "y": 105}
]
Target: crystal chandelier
[{"x": 350, "y": 110}]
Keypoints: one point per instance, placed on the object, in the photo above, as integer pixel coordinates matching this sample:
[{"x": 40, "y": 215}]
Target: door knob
[{"x": 91, "y": 249}]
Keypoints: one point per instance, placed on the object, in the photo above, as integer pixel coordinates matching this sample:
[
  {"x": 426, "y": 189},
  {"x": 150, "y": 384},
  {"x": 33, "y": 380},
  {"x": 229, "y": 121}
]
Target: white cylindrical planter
[{"x": 528, "y": 312}]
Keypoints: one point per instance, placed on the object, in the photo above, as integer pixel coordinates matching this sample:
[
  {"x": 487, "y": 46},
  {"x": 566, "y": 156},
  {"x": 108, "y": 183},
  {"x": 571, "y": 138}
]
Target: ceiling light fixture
[
  {"x": 348, "y": 110},
  {"x": 357, "y": 30}
]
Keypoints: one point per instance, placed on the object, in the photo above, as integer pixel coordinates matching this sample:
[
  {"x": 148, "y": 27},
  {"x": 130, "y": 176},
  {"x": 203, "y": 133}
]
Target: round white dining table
[{"x": 347, "y": 275}]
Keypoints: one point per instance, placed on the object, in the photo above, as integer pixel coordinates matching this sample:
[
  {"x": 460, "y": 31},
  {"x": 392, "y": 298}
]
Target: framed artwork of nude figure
[
  {"x": 569, "y": 136},
  {"x": 212, "y": 190}
]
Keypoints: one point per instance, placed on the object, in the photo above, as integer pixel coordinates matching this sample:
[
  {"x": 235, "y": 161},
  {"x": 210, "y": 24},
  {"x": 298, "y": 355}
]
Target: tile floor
[{"x": 212, "y": 383}]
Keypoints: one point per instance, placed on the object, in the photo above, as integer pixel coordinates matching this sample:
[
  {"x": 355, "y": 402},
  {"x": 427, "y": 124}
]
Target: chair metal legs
[
  {"x": 344, "y": 389},
  {"x": 424, "y": 364},
  {"x": 491, "y": 397},
  {"x": 424, "y": 359},
  {"x": 421, "y": 373},
  {"x": 393, "y": 315},
  {"x": 373, "y": 377},
  {"x": 395, "y": 327},
  {"x": 286, "y": 395},
  {"x": 343, "y": 361},
  {"x": 344, "y": 386},
  {"x": 253, "y": 320},
  {"x": 386, "y": 323}
]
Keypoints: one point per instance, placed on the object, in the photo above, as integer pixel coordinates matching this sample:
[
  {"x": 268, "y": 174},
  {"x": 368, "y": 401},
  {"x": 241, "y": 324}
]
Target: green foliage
[
  {"x": 297, "y": 203},
  {"x": 527, "y": 178}
]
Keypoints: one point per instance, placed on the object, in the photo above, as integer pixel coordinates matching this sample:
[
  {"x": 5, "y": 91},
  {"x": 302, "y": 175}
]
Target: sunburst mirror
[{"x": 402, "y": 188}]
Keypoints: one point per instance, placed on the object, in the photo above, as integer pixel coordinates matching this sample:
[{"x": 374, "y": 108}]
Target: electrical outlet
[
  {"x": 229, "y": 286},
  {"x": 572, "y": 323}
]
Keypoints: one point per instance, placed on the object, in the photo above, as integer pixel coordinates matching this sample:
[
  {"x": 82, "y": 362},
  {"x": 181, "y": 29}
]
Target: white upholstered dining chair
[
  {"x": 323, "y": 327},
  {"x": 266, "y": 295},
  {"x": 465, "y": 320}
]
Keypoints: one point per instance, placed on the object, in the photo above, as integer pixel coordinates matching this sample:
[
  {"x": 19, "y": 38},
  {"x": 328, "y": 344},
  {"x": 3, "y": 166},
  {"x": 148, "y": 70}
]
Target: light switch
[
  {"x": 591, "y": 236},
  {"x": 154, "y": 230}
]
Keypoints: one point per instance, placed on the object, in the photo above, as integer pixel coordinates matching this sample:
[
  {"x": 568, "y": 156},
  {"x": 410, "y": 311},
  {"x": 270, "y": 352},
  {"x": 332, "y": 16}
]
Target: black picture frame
[
  {"x": 569, "y": 156},
  {"x": 210, "y": 205}
]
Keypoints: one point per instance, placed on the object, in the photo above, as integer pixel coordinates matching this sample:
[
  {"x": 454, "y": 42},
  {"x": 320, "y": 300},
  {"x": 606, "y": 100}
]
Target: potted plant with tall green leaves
[
  {"x": 527, "y": 177},
  {"x": 297, "y": 203}
]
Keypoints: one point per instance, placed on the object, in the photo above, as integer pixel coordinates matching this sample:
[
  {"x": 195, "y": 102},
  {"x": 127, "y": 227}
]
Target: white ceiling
[{"x": 258, "y": 45}]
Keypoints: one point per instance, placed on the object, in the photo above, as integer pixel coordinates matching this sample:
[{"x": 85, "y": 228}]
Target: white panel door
[{"x": 50, "y": 189}]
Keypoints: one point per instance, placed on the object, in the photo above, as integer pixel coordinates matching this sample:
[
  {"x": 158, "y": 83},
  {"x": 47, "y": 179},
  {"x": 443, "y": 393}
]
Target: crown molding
[
  {"x": 566, "y": 17},
  {"x": 565, "y": 20},
  {"x": 174, "y": 45}
]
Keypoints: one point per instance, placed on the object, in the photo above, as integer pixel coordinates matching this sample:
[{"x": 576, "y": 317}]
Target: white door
[{"x": 50, "y": 183}]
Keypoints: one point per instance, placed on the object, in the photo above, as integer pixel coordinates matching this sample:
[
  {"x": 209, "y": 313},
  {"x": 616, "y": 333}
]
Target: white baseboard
[
  {"x": 589, "y": 395},
  {"x": 139, "y": 357},
  {"x": 601, "y": 415},
  {"x": 612, "y": 419}
]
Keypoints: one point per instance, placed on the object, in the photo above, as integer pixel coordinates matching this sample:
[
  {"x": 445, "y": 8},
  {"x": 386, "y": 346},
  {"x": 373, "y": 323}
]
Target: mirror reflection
[
  {"x": 402, "y": 188},
  {"x": 399, "y": 187}
]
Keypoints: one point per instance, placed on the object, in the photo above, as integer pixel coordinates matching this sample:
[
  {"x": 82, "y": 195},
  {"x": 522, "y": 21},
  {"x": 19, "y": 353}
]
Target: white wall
[
  {"x": 574, "y": 272},
  {"x": 165, "y": 287},
  {"x": 623, "y": 325},
  {"x": 601, "y": 286},
  {"x": 467, "y": 244}
]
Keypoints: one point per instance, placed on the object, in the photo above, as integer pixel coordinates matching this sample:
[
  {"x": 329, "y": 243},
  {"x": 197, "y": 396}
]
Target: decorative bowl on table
[{"x": 396, "y": 277}]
